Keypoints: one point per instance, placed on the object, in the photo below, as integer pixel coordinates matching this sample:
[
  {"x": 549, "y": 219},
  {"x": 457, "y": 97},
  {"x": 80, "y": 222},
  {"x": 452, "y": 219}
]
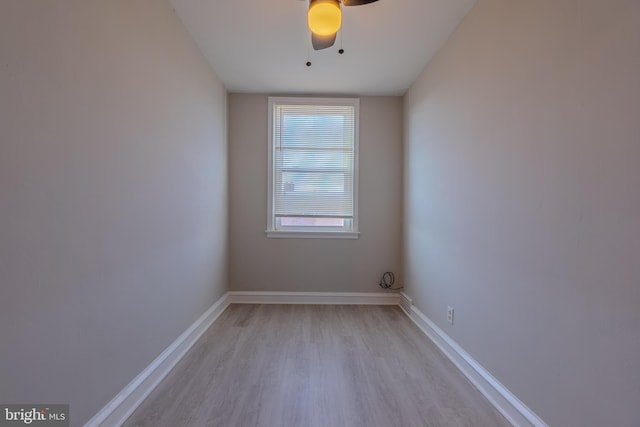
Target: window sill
[{"x": 280, "y": 234}]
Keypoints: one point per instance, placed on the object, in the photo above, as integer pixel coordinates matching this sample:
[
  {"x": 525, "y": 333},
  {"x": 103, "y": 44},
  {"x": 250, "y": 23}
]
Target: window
[{"x": 313, "y": 167}]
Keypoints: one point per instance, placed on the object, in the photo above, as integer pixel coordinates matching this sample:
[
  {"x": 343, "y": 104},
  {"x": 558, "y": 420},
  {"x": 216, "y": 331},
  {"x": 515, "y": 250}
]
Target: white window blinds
[{"x": 313, "y": 160}]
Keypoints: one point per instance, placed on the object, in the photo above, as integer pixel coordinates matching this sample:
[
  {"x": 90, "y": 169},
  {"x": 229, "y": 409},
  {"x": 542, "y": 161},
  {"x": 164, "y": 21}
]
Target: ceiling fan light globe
[{"x": 324, "y": 17}]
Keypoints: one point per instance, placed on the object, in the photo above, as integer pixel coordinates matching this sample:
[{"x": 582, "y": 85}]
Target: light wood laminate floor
[{"x": 315, "y": 365}]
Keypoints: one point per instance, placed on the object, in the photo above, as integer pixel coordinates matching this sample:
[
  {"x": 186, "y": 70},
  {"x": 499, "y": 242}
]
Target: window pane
[
  {"x": 308, "y": 159},
  {"x": 303, "y": 130},
  {"x": 313, "y": 182},
  {"x": 288, "y": 221}
]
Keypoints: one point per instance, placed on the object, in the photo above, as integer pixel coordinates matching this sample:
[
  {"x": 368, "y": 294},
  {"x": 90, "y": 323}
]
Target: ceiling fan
[{"x": 325, "y": 18}]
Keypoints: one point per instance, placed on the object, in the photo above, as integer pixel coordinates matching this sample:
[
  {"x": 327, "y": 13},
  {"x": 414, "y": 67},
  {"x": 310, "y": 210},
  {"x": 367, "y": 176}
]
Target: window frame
[{"x": 274, "y": 230}]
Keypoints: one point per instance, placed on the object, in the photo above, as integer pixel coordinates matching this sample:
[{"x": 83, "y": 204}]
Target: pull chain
[
  {"x": 341, "y": 50},
  {"x": 308, "y": 64}
]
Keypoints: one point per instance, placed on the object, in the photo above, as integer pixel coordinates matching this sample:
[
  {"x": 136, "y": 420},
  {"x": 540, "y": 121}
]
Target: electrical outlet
[{"x": 450, "y": 315}]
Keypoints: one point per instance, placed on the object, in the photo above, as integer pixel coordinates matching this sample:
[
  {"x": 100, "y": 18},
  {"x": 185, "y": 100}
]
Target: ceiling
[{"x": 261, "y": 46}]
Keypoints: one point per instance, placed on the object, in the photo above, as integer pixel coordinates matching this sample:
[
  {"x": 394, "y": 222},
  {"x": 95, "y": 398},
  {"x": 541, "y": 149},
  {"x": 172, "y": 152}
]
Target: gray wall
[
  {"x": 523, "y": 201},
  {"x": 261, "y": 264},
  {"x": 113, "y": 195}
]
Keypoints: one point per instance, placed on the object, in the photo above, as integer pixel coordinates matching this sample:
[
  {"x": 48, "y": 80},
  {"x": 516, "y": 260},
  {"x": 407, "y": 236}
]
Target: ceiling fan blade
[
  {"x": 322, "y": 42},
  {"x": 356, "y": 2}
]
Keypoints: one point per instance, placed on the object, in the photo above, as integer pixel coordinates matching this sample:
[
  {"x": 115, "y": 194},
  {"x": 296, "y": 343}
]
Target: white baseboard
[
  {"x": 355, "y": 298},
  {"x": 122, "y": 406},
  {"x": 516, "y": 412}
]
